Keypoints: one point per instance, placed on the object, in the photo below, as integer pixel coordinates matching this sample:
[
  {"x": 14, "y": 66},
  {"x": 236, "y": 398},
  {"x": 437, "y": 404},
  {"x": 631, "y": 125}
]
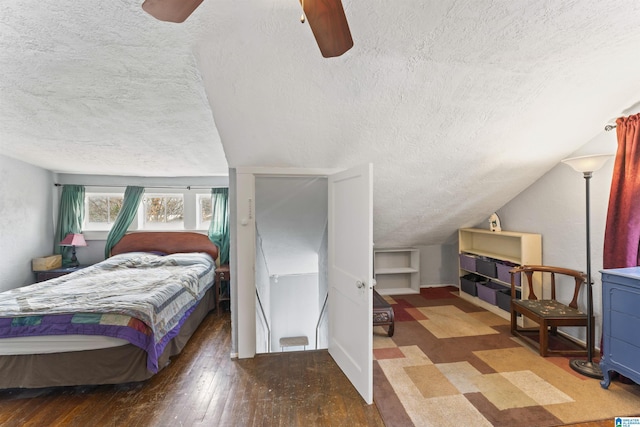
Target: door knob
[{"x": 360, "y": 285}]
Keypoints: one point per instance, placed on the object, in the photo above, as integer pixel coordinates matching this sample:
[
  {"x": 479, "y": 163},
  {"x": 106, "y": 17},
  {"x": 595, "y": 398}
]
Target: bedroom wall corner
[
  {"x": 438, "y": 265},
  {"x": 27, "y": 224}
]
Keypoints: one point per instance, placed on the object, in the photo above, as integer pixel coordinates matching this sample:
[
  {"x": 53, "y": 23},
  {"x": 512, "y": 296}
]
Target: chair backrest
[{"x": 529, "y": 270}]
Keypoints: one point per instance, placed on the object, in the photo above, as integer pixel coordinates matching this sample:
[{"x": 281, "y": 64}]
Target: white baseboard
[{"x": 397, "y": 291}]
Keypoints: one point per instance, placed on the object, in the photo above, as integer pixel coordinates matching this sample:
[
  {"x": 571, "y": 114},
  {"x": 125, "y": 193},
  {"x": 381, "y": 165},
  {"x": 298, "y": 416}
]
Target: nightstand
[
  {"x": 222, "y": 293},
  {"x": 43, "y": 275}
]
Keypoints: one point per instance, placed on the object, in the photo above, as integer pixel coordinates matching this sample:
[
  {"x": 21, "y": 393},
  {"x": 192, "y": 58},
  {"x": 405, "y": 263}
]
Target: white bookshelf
[
  {"x": 397, "y": 271},
  {"x": 514, "y": 247}
]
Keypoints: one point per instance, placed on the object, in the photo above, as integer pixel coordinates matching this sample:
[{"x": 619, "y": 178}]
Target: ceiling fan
[{"x": 326, "y": 19}]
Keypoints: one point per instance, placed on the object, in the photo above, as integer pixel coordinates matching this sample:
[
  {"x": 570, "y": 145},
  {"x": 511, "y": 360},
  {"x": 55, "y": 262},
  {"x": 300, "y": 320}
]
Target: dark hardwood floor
[{"x": 204, "y": 387}]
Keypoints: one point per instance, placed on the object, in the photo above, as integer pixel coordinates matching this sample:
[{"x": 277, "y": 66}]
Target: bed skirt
[{"x": 115, "y": 365}]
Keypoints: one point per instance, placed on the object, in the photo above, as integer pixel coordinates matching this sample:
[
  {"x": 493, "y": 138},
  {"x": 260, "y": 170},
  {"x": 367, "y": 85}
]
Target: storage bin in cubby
[
  {"x": 487, "y": 291},
  {"x": 468, "y": 283},
  {"x": 503, "y": 270},
  {"x": 467, "y": 262},
  {"x": 503, "y": 298},
  {"x": 486, "y": 267}
]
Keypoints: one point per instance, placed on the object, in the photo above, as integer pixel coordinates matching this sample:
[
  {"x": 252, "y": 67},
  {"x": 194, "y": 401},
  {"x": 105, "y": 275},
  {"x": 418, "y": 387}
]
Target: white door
[{"x": 351, "y": 275}]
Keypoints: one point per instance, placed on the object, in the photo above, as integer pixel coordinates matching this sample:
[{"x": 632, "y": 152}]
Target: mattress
[{"x": 57, "y": 344}]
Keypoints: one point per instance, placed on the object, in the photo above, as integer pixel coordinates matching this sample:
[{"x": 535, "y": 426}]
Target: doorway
[
  {"x": 291, "y": 268},
  {"x": 349, "y": 263}
]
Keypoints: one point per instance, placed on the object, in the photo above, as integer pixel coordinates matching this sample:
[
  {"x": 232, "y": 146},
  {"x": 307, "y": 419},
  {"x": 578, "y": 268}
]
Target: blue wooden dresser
[{"x": 621, "y": 323}]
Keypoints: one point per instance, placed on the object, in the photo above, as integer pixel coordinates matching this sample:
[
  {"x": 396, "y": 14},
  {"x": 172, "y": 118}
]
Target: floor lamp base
[{"x": 586, "y": 368}]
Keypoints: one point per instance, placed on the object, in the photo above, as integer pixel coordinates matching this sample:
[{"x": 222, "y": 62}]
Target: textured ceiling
[
  {"x": 460, "y": 105},
  {"x": 100, "y": 87}
]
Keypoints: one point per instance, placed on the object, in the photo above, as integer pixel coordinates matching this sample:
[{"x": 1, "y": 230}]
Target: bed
[{"x": 115, "y": 322}]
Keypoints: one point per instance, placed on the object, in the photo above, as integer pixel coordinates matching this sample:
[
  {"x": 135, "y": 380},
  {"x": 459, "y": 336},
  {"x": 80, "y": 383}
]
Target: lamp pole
[
  {"x": 587, "y": 165},
  {"x": 587, "y": 367}
]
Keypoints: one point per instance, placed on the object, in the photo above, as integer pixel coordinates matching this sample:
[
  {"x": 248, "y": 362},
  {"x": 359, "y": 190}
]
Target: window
[
  {"x": 167, "y": 209},
  {"x": 204, "y": 212},
  {"x": 101, "y": 210},
  {"x": 163, "y": 211}
]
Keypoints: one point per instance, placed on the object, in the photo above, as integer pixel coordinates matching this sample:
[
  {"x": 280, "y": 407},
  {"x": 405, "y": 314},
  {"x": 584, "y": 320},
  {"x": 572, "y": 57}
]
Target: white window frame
[{"x": 191, "y": 214}]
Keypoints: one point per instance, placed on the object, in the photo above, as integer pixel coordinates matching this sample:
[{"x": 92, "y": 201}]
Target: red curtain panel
[{"x": 622, "y": 234}]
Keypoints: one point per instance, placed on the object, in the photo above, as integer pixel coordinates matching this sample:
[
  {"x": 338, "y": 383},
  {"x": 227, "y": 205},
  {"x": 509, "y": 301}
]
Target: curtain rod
[
  {"x": 187, "y": 187},
  {"x": 609, "y": 127}
]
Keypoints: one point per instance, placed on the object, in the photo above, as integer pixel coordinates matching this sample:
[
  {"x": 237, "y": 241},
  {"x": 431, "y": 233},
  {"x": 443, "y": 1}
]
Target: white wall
[
  {"x": 291, "y": 215},
  {"x": 26, "y": 220},
  {"x": 438, "y": 265},
  {"x": 554, "y": 206},
  {"x": 294, "y": 309}
]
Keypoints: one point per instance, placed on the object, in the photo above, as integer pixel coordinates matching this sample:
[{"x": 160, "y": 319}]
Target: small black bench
[{"x": 382, "y": 312}]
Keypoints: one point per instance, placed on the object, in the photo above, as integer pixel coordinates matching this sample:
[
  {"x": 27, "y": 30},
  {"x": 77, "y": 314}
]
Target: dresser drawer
[
  {"x": 625, "y": 327},
  {"x": 624, "y": 299},
  {"x": 43, "y": 275},
  {"x": 222, "y": 273},
  {"x": 626, "y": 355}
]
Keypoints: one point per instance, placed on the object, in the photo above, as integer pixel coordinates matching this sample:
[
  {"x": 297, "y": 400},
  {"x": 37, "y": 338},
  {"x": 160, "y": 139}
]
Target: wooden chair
[{"x": 548, "y": 313}]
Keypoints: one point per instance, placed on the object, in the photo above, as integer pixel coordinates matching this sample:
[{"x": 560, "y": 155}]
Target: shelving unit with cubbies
[
  {"x": 501, "y": 246},
  {"x": 397, "y": 271}
]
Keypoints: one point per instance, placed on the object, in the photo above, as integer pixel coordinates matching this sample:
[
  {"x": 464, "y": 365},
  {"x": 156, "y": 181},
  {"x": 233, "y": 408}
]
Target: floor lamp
[{"x": 587, "y": 165}]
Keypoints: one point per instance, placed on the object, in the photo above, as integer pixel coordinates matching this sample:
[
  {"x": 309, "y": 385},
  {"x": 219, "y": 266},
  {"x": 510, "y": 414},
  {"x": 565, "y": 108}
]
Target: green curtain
[
  {"x": 132, "y": 197},
  {"x": 219, "y": 227},
  {"x": 70, "y": 218}
]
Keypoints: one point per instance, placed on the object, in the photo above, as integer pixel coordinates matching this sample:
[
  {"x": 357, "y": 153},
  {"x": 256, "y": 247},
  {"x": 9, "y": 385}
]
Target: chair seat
[{"x": 550, "y": 309}]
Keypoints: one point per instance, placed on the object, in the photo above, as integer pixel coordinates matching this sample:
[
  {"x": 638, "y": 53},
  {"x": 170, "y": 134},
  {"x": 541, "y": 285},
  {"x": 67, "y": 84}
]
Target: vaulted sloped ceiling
[
  {"x": 291, "y": 221},
  {"x": 460, "y": 105}
]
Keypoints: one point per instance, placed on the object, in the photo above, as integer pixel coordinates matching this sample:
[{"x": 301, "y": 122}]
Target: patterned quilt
[{"x": 141, "y": 297}]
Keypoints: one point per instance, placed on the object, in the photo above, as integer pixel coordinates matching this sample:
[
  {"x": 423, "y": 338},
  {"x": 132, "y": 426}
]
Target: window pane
[
  {"x": 164, "y": 209},
  {"x": 175, "y": 209},
  {"x": 115, "y": 204},
  {"x": 205, "y": 209},
  {"x": 154, "y": 209},
  {"x": 101, "y": 210},
  {"x": 97, "y": 209}
]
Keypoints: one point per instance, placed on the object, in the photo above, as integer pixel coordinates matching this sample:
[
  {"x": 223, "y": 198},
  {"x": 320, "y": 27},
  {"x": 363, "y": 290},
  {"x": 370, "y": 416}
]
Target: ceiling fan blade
[
  {"x": 329, "y": 25},
  {"x": 170, "y": 10}
]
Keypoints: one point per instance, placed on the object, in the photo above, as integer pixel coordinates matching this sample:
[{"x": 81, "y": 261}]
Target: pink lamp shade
[{"x": 73, "y": 239}]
